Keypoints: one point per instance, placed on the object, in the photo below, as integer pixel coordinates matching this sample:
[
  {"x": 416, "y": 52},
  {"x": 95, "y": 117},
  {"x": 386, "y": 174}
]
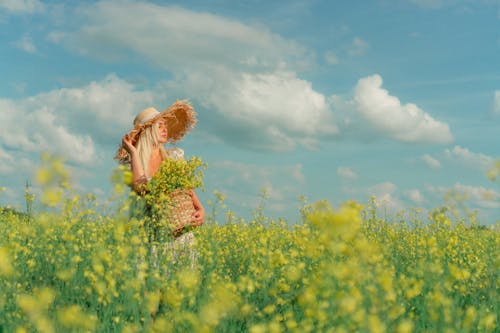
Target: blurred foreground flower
[
  {"x": 53, "y": 178},
  {"x": 5, "y": 262},
  {"x": 493, "y": 173}
]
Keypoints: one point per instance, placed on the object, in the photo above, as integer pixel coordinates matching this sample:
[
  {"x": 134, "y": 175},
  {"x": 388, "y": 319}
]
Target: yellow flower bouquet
[{"x": 169, "y": 193}]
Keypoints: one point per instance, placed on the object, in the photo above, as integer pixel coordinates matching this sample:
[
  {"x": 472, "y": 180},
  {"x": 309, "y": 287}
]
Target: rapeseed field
[{"x": 73, "y": 268}]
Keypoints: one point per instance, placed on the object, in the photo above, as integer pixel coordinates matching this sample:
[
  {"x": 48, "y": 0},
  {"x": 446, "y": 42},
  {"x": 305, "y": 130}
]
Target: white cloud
[
  {"x": 104, "y": 108},
  {"x": 173, "y": 37},
  {"x": 415, "y": 195},
  {"x": 384, "y": 194},
  {"x": 38, "y": 130},
  {"x": 331, "y": 58},
  {"x": 358, "y": 47},
  {"x": 7, "y": 164},
  {"x": 245, "y": 73},
  {"x": 496, "y": 102},
  {"x": 22, "y": 6},
  {"x": 263, "y": 174},
  {"x": 50, "y": 135},
  {"x": 276, "y": 98},
  {"x": 26, "y": 44},
  {"x": 468, "y": 158},
  {"x": 242, "y": 183},
  {"x": 273, "y": 111},
  {"x": 476, "y": 195},
  {"x": 70, "y": 121},
  {"x": 10, "y": 196},
  {"x": 431, "y": 161},
  {"x": 246, "y": 76},
  {"x": 346, "y": 173},
  {"x": 386, "y": 114},
  {"x": 383, "y": 188}
]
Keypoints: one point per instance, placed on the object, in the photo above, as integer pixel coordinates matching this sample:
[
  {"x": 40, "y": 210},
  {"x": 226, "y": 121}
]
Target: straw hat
[{"x": 180, "y": 118}]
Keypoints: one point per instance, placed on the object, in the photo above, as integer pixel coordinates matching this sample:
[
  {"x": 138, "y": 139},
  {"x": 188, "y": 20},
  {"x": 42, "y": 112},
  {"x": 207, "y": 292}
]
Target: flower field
[{"x": 72, "y": 269}]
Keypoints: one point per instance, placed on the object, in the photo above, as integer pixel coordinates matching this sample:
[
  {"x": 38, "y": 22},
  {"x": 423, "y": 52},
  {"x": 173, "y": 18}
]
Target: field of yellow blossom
[{"x": 73, "y": 268}]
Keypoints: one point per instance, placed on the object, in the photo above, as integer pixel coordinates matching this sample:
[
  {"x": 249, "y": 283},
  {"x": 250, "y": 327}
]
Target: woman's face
[{"x": 162, "y": 131}]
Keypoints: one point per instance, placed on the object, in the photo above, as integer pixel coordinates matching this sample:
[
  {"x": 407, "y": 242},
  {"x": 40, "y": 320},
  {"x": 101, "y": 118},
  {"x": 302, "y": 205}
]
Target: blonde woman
[{"x": 142, "y": 149}]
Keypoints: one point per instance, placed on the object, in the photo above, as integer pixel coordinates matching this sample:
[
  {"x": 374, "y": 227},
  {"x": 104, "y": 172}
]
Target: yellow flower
[
  {"x": 72, "y": 317},
  {"x": 375, "y": 324},
  {"x": 470, "y": 316},
  {"x": 488, "y": 322},
  {"x": 189, "y": 279},
  {"x": 52, "y": 196},
  {"x": 294, "y": 273},
  {"x": 269, "y": 309},
  {"x": 258, "y": 328},
  {"x": 415, "y": 290},
  {"x": 6, "y": 268},
  {"x": 223, "y": 301},
  {"x": 348, "y": 304},
  {"x": 405, "y": 326}
]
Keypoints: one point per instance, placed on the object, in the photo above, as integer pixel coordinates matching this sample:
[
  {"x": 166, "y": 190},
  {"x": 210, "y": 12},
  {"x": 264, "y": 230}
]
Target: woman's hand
[
  {"x": 127, "y": 144},
  {"x": 198, "y": 217},
  {"x": 199, "y": 214}
]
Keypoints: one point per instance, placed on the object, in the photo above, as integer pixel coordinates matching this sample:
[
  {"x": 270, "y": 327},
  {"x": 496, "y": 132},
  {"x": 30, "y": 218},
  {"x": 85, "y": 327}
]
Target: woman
[{"x": 142, "y": 148}]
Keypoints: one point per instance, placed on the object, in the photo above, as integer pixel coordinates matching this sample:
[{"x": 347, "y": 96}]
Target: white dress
[{"x": 175, "y": 153}]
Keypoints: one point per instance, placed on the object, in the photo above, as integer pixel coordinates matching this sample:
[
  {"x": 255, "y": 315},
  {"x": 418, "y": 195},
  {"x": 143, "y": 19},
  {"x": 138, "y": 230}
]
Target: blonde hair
[{"x": 148, "y": 140}]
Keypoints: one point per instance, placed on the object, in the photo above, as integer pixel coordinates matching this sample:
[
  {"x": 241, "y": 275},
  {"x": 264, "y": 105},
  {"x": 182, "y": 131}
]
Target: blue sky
[{"x": 331, "y": 100}]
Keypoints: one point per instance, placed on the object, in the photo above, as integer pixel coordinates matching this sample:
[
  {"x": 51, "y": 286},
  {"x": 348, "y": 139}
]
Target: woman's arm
[
  {"x": 138, "y": 175},
  {"x": 199, "y": 214}
]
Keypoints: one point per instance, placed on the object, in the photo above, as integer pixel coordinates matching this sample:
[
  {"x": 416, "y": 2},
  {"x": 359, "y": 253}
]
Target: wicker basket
[{"x": 181, "y": 210}]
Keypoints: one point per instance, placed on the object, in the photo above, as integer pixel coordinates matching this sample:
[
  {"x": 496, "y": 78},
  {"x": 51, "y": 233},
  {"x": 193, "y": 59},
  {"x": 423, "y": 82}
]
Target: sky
[{"x": 327, "y": 100}]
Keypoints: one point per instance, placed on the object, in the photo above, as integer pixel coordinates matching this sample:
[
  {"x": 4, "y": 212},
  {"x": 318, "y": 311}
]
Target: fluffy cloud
[
  {"x": 346, "y": 173},
  {"x": 84, "y": 124},
  {"x": 250, "y": 172},
  {"x": 382, "y": 189},
  {"x": 39, "y": 130},
  {"x": 476, "y": 195},
  {"x": 331, "y": 58},
  {"x": 358, "y": 47},
  {"x": 282, "y": 183},
  {"x": 22, "y": 6},
  {"x": 71, "y": 121},
  {"x": 173, "y": 37},
  {"x": 431, "y": 161},
  {"x": 245, "y": 76},
  {"x": 385, "y": 195},
  {"x": 387, "y": 116},
  {"x": 274, "y": 111},
  {"x": 415, "y": 196},
  {"x": 8, "y": 161},
  {"x": 26, "y": 44},
  {"x": 468, "y": 158}
]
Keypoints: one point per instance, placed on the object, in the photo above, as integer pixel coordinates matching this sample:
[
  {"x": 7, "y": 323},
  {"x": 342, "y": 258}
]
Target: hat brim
[{"x": 180, "y": 118}]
